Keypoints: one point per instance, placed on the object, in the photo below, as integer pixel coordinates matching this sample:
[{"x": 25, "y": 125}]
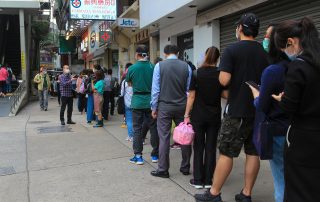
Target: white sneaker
[
  {"x": 207, "y": 186},
  {"x": 128, "y": 139}
]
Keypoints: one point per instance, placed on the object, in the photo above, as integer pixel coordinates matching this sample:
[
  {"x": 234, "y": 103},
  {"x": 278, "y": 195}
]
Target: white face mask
[
  {"x": 67, "y": 71},
  {"x": 237, "y": 34}
]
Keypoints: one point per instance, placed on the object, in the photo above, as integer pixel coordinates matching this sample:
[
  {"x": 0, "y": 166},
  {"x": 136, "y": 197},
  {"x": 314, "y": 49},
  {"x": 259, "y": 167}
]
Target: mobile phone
[{"x": 253, "y": 84}]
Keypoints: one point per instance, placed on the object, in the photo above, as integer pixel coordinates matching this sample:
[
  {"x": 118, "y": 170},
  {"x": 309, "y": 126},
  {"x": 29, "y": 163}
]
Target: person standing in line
[
  {"x": 65, "y": 81},
  {"x": 204, "y": 100},
  {"x": 98, "y": 88},
  {"x": 124, "y": 124},
  {"x": 89, "y": 94},
  {"x": 44, "y": 86},
  {"x": 127, "y": 92},
  {"x": 241, "y": 62},
  {"x": 272, "y": 82},
  {"x": 82, "y": 100},
  {"x": 58, "y": 89},
  {"x": 171, "y": 81},
  {"x": 108, "y": 94},
  {"x": 3, "y": 78},
  {"x": 139, "y": 76},
  {"x": 300, "y": 41},
  {"x": 9, "y": 80}
]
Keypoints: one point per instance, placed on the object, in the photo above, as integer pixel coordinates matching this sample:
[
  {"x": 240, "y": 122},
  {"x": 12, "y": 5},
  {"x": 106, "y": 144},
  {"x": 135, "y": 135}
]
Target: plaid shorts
[{"x": 234, "y": 134}]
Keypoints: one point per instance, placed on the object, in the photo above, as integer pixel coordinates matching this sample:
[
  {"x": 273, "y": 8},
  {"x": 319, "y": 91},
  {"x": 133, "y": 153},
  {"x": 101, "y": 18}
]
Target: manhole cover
[
  {"x": 7, "y": 170},
  {"x": 54, "y": 129},
  {"x": 38, "y": 122}
]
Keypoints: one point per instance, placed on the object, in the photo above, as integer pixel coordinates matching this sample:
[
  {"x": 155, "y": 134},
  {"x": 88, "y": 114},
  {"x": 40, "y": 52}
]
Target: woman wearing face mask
[
  {"x": 301, "y": 100},
  {"x": 272, "y": 82}
]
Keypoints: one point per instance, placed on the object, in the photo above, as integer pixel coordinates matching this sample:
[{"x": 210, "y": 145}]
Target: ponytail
[
  {"x": 310, "y": 40},
  {"x": 306, "y": 31}
]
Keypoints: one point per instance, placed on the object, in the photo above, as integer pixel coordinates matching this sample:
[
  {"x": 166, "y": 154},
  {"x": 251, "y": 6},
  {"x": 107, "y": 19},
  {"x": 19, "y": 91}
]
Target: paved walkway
[
  {"x": 41, "y": 161},
  {"x": 4, "y": 106}
]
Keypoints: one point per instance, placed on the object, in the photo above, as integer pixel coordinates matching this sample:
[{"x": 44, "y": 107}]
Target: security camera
[{"x": 133, "y": 30}]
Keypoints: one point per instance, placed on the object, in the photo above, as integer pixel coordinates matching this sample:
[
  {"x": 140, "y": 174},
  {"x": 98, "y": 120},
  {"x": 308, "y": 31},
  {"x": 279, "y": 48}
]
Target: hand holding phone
[{"x": 253, "y": 84}]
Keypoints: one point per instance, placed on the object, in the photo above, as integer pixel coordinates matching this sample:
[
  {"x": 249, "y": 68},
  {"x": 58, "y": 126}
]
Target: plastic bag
[{"x": 183, "y": 134}]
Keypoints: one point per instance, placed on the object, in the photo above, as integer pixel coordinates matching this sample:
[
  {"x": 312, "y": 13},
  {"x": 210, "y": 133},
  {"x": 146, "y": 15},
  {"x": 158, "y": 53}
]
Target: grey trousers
[
  {"x": 165, "y": 119},
  {"x": 43, "y": 98}
]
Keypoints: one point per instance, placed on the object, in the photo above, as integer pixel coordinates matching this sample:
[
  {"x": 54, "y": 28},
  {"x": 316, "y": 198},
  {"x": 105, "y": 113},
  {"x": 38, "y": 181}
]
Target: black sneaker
[
  {"x": 63, "y": 123},
  {"x": 207, "y": 197},
  {"x": 196, "y": 184},
  {"x": 71, "y": 122},
  {"x": 242, "y": 198}
]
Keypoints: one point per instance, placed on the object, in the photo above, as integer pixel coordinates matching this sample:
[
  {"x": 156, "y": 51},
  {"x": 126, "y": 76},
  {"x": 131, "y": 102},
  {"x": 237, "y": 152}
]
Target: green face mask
[{"x": 265, "y": 44}]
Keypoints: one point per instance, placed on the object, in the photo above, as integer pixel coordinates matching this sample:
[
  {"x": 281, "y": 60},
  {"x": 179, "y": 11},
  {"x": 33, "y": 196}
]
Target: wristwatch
[{"x": 186, "y": 116}]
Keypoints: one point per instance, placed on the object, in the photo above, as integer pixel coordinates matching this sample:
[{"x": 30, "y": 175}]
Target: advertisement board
[
  {"x": 128, "y": 22},
  {"x": 93, "y": 9}
]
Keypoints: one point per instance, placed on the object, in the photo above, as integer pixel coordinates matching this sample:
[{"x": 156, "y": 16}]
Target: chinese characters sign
[{"x": 93, "y": 9}]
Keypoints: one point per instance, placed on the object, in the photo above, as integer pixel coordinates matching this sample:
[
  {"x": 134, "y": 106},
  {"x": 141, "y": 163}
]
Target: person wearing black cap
[
  {"x": 139, "y": 76},
  {"x": 242, "y": 61}
]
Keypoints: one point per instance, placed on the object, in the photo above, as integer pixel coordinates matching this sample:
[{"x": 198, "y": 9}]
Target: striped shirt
[{"x": 65, "y": 85}]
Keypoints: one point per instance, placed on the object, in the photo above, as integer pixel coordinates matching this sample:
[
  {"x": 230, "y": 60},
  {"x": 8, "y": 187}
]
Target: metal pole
[{"x": 23, "y": 45}]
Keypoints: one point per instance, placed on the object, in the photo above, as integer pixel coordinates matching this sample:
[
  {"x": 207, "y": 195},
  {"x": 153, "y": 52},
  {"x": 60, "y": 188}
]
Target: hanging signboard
[
  {"x": 105, "y": 37},
  {"x": 128, "y": 22},
  {"x": 93, "y": 9}
]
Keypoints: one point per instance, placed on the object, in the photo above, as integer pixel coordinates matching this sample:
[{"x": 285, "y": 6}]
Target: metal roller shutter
[{"x": 270, "y": 12}]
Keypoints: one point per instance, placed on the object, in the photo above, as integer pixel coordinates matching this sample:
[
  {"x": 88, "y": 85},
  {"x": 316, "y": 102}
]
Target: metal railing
[{"x": 16, "y": 96}]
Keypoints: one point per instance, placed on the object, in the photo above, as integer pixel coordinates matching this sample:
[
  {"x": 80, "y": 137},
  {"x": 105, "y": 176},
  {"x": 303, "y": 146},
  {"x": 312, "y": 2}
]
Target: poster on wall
[
  {"x": 93, "y": 9},
  {"x": 185, "y": 44}
]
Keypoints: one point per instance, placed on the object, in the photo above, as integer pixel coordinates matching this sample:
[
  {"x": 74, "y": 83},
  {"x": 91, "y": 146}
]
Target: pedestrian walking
[
  {"x": 241, "y": 62},
  {"x": 204, "y": 107},
  {"x": 98, "y": 89},
  {"x": 171, "y": 81},
  {"x": 44, "y": 86},
  {"x": 58, "y": 90},
  {"x": 3, "y": 78},
  {"x": 65, "y": 81},
  {"x": 139, "y": 76},
  {"x": 299, "y": 40},
  {"x": 272, "y": 82},
  {"x": 127, "y": 92}
]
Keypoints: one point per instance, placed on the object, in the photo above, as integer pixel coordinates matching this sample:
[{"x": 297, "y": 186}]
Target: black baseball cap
[
  {"x": 142, "y": 49},
  {"x": 249, "y": 20}
]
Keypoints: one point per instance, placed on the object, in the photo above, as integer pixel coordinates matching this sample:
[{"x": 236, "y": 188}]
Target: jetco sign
[{"x": 128, "y": 22}]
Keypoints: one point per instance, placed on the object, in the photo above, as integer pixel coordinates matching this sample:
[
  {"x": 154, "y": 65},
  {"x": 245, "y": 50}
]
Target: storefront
[{"x": 269, "y": 12}]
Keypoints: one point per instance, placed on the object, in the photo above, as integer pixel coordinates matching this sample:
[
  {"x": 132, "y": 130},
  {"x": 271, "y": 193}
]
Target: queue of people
[{"x": 270, "y": 89}]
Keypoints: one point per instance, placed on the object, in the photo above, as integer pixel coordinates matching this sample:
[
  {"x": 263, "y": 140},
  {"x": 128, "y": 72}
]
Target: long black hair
[
  {"x": 306, "y": 31},
  {"x": 275, "y": 54}
]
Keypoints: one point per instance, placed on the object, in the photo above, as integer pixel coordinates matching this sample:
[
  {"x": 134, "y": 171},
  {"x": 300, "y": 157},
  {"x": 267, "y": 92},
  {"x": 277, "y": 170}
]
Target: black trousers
[
  {"x": 205, "y": 147},
  {"x": 108, "y": 98},
  {"x": 66, "y": 101},
  {"x": 138, "y": 117},
  {"x": 82, "y": 102}
]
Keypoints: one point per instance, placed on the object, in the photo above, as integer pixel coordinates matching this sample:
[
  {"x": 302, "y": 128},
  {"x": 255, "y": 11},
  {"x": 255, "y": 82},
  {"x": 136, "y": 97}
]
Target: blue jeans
[
  {"x": 43, "y": 98},
  {"x": 277, "y": 167},
  {"x": 129, "y": 121},
  {"x": 90, "y": 116}
]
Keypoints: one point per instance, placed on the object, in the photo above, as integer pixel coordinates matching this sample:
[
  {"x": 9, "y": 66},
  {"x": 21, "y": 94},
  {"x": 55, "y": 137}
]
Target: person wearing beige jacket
[{"x": 44, "y": 85}]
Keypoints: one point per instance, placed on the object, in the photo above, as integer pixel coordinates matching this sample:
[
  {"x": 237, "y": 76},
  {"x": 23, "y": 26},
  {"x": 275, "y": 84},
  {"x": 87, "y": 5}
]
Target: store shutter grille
[{"x": 270, "y": 12}]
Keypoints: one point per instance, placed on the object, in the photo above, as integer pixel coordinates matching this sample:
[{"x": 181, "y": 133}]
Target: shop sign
[
  {"x": 128, "y": 22},
  {"x": 93, "y": 39},
  {"x": 93, "y": 9},
  {"x": 144, "y": 34},
  {"x": 105, "y": 37}
]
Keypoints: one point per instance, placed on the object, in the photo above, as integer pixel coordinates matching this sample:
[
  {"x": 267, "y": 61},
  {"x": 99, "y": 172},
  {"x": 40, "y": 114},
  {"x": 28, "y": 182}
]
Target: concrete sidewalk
[{"x": 41, "y": 161}]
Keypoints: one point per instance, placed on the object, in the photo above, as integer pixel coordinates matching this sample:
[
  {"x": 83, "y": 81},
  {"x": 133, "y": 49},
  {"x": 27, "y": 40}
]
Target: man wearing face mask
[
  {"x": 43, "y": 81},
  {"x": 242, "y": 61},
  {"x": 65, "y": 81}
]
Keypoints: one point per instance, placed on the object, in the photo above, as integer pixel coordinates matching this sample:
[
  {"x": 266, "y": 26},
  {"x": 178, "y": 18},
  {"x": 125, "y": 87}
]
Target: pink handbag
[{"x": 183, "y": 134}]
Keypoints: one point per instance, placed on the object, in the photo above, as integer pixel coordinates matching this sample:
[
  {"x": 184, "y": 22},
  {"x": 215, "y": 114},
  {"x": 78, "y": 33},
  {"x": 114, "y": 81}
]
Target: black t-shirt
[
  {"x": 245, "y": 61},
  {"x": 207, "y": 105}
]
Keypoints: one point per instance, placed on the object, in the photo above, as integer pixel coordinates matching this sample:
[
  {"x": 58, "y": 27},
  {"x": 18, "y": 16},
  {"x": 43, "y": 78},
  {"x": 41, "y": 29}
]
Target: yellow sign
[{"x": 23, "y": 61}]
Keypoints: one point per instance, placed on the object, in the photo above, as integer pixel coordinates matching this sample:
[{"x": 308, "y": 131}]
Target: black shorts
[{"x": 234, "y": 134}]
